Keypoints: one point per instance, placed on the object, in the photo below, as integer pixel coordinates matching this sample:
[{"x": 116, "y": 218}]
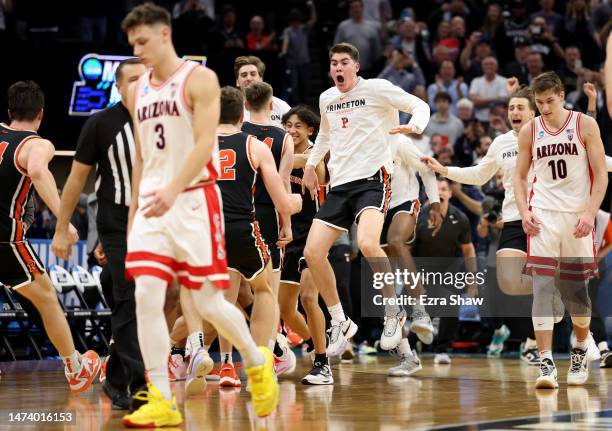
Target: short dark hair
[
  {"x": 547, "y": 81},
  {"x": 127, "y": 62},
  {"x": 306, "y": 115},
  {"x": 232, "y": 105},
  {"x": 345, "y": 48},
  {"x": 258, "y": 94},
  {"x": 25, "y": 100},
  {"x": 525, "y": 92},
  {"x": 443, "y": 95},
  {"x": 245, "y": 60},
  {"x": 146, "y": 14}
]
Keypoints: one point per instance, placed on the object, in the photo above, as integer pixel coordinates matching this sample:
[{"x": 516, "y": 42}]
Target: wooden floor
[{"x": 469, "y": 394}]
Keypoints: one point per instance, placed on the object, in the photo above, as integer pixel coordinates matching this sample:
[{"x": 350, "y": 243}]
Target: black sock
[
  {"x": 310, "y": 345},
  {"x": 177, "y": 351},
  {"x": 277, "y": 350},
  {"x": 227, "y": 359},
  {"x": 320, "y": 358}
]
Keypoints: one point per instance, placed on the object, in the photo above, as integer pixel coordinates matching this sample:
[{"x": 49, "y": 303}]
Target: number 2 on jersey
[
  {"x": 558, "y": 168},
  {"x": 227, "y": 160},
  {"x": 3, "y": 147}
]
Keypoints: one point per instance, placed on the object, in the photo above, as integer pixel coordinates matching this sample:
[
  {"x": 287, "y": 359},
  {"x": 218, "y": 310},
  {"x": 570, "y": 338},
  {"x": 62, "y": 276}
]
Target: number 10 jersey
[{"x": 563, "y": 177}]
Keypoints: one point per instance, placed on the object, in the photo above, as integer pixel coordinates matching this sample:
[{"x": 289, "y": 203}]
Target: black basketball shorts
[
  {"x": 19, "y": 264},
  {"x": 247, "y": 251}
]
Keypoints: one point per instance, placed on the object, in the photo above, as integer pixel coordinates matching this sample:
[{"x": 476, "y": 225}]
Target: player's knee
[
  {"x": 581, "y": 321},
  {"x": 543, "y": 323},
  {"x": 150, "y": 295},
  {"x": 313, "y": 256},
  {"x": 396, "y": 245},
  {"x": 309, "y": 299},
  {"x": 369, "y": 246}
]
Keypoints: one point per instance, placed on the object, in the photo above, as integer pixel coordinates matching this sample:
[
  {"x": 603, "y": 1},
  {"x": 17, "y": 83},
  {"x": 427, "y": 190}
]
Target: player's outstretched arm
[
  {"x": 263, "y": 160},
  {"x": 411, "y": 156},
  {"x": 62, "y": 242},
  {"x": 523, "y": 163},
  {"x": 405, "y": 102}
]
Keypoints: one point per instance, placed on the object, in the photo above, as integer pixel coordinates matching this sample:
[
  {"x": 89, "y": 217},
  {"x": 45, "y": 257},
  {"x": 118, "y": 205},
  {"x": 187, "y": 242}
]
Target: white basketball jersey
[
  {"x": 165, "y": 130},
  {"x": 562, "y": 175}
]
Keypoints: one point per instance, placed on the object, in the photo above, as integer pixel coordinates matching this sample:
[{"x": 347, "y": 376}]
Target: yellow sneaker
[
  {"x": 157, "y": 412},
  {"x": 261, "y": 379}
]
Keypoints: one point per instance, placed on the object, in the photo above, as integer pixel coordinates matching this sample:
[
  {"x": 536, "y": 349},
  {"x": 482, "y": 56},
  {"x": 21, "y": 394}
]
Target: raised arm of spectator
[
  {"x": 312, "y": 20},
  {"x": 591, "y": 92},
  {"x": 465, "y": 58}
]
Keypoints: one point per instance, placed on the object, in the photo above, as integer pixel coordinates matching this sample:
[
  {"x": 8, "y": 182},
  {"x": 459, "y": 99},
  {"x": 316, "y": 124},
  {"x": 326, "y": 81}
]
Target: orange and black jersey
[
  {"x": 16, "y": 185},
  {"x": 301, "y": 222},
  {"x": 275, "y": 138},
  {"x": 237, "y": 176}
]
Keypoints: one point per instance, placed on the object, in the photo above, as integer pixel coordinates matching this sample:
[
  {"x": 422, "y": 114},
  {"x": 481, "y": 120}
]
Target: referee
[{"x": 106, "y": 140}]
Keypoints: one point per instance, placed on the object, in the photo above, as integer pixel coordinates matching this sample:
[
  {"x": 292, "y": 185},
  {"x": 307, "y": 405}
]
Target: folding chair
[
  {"x": 16, "y": 325},
  {"x": 93, "y": 297}
]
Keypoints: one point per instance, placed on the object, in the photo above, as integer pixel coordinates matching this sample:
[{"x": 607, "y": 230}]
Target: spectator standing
[
  {"x": 446, "y": 82},
  {"x": 554, "y": 20},
  {"x": 579, "y": 31},
  {"x": 229, "y": 34},
  {"x": 397, "y": 73},
  {"x": 518, "y": 67},
  {"x": 488, "y": 89},
  {"x": 295, "y": 51},
  {"x": 544, "y": 42},
  {"x": 444, "y": 123},
  {"x": 256, "y": 39},
  {"x": 409, "y": 40},
  {"x": 569, "y": 70},
  {"x": 516, "y": 24},
  {"x": 493, "y": 31},
  {"x": 362, "y": 34},
  {"x": 475, "y": 50}
]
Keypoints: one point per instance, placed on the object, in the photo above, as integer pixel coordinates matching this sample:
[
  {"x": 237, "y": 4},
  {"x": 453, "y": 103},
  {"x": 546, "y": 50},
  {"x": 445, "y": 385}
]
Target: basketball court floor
[{"x": 471, "y": 394}]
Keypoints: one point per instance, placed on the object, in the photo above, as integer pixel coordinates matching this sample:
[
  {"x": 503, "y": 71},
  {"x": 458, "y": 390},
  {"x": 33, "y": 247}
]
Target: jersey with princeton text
[
  {"x": 237, "y": 176},
  {"x": 279, "y": 108},
  {"x": 16, "y": 185},
  {"x": 275, "y": 138},
  {"x": 355, "y": 128},
  {"x": 502, "y": 155},
  {"x": 165, "y": 130},
  {"x": 562, "y": 175}
]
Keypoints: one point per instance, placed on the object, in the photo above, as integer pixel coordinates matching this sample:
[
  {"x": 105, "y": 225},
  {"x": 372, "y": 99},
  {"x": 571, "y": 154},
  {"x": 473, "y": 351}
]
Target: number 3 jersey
[
  {"x": 562, "y": 175},
  {"x": 164, "y": 122}
]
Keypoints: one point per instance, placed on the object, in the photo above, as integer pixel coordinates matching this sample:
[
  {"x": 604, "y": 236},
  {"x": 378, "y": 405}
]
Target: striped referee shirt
[{"x": 107, "y": 141}]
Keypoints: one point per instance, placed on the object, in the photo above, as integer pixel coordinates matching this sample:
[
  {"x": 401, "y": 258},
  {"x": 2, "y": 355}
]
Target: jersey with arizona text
[
  {"x": 279, "y": 108},
  {"x": 16, "y": 185},
  {"x": 164, "y": 121},
  {"x": 501, "y": 155},
  {"x": 237, "y": 176},
  {"x": 276, "y": 139},
  {"x": 562, "y": 175},
  {"x": 355, "y": 128}
]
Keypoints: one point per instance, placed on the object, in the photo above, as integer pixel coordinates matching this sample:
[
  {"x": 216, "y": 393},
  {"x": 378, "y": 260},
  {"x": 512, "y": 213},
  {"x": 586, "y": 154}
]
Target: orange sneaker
[
  {"x": 228, "y": 377},
  {"x": 213, "y": 376},
  {"x": 103, "y": 369},
  {"x": 81, "y": 379},
  {"x": 293, "y": 338}
]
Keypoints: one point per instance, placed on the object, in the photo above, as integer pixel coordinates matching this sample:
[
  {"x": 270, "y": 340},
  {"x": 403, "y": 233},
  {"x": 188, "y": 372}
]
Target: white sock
[
  {"x": 337, "y": 313},
  {"x": 392, "y": 310},
  {"x": 271, "y": 344},
  {"x": 196, "y": 341},
  {"x": 159, "y": 378},
  {"x": 418, "y": 307},
  {"x": 73, "y": 362},
  {"x": 546, "y": 354},
  {"x": 404, "y": 347},
  {"x": 228, "y": 321},
  {"x": 582, "y": 345},
  {"x": 603, "y": 346},
  {"x": 226, "y": 358}
]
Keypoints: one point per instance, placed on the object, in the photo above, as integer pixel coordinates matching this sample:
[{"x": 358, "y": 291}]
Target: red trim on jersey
[
  {"x": 576, "y": 277},
  {"x": 135, "y": 256},
  {"x": 19, "y": 204},
  {"x": 132, "y": 273},
  {"x": 212, "y": 173},
  {"x": 163, "y": 84},
  {"x": 184, "y": 100},
  {"x": 199, "y": 185},
  {"x": 578, "y": 133},
  {"x": 539, "y": 260},
  {"x": 20, "y": 168},
  {"x": 562, "y": 128},
  {"x": 571, "y": 266},
  {"x": 217, "y": 237}
]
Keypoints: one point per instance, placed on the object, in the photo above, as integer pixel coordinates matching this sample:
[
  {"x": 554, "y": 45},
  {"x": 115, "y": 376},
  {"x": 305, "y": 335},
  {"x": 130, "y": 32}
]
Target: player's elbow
[{"x": 37, "y": 171}]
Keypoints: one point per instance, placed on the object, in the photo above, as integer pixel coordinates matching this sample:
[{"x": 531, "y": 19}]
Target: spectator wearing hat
[
  {"x": 488, "y": 89},
  {"x": 444, "y": 123}
]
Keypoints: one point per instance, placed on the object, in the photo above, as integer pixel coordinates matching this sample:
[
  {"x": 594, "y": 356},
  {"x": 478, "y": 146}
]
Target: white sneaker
[
  {"x": 578, "y": 372},
  {"x": 287, "y": 361},
  {"x": 548, "y": 375},
  {"x": 442, "y": 359},
  {"x": 408, "y": 365},
  {"x": 593, "y": 353},
  {"x": 199, "y": 366},
  {"x": 421, "y": 325},
  {"x": 392, "y": 331},
  {"x": 339, "y": 334}
]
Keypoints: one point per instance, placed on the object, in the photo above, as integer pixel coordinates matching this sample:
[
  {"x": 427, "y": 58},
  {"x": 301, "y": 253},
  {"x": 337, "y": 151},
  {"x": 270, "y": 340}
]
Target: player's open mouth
[
  {"x": 340, "y": 79},
  {"x": 516, "y": 122}
]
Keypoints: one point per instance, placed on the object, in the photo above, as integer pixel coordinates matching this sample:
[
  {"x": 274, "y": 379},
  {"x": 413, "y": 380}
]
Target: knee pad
[
  {"x": 581, "y": 321},
  {"x": 545, "y": 323}
]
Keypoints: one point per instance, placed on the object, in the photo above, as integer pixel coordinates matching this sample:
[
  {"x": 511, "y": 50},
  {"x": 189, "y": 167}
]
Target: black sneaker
[
  {"x": 531, "y": 356},
  {"x": 606, "y": 359},
  {"x": 320, "y": 374},
  {"x": 120, "y": 400}
]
